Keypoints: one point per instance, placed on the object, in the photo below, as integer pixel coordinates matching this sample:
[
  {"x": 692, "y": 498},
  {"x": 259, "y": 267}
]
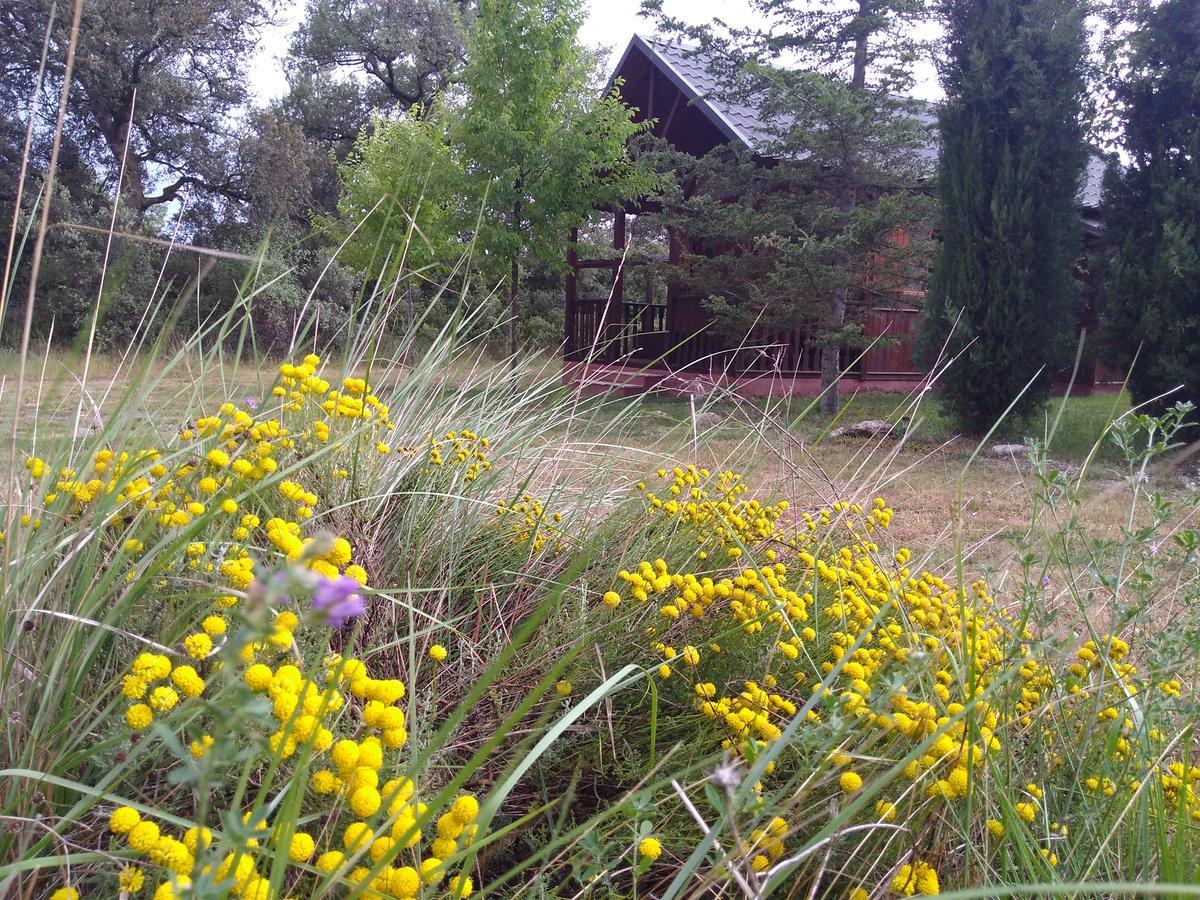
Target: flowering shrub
[
  {"x": 344, "y": 662},
  {"x": 897, "y": 668},
  {"x": 335, "y": 721}
]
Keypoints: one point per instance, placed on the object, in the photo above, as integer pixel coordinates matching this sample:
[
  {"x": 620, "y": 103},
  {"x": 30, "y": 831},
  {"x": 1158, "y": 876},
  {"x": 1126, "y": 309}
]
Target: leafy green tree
[
  {"x": 539, "y": 152},
  {"x": 1151, "y": 302},
  {"x": 401, "y": 208},
  {"x": 350, "y": 57},
  {"x": 520, "y": 153},
  {"x": 401, "y": 193},
  {"x": 1012, "y": 155},
  {"x": 155, "y": 85},
  {"x": 804, "y": 238}
]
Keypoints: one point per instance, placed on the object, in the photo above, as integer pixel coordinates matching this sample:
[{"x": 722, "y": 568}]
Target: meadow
[{"x": 381, "y": 624}]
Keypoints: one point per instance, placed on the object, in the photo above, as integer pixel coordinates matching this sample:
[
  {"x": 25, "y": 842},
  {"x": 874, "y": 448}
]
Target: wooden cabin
[{"x": 636, "y": 328}]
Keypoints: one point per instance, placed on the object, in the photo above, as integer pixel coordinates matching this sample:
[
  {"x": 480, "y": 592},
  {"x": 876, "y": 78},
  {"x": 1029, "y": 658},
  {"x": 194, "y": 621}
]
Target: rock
[
  {"x": 1021, "y": 450},
  {"x": 864, "y": 429}
]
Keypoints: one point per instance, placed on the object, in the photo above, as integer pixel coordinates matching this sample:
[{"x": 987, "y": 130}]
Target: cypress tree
[
  {"x": 1152, "y": 207},
  {"x": 1012, "y": 154}
]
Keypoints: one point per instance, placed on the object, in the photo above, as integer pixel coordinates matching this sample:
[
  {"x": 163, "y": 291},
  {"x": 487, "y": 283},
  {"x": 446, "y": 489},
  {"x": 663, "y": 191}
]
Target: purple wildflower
[
  {"x": 339, "y": 599},
  {"x": 1045, "y": 581},
  {"x": 251, "y": 403}
]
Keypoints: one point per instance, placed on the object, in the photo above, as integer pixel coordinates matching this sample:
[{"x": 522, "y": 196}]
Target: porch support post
[
  {"x": 672, "y": 313},
  {"x": 617, "y": 302}
]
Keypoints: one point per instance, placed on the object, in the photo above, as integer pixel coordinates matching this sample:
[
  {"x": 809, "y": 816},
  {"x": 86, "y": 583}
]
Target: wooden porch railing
[{"x": 677, "y": 332}]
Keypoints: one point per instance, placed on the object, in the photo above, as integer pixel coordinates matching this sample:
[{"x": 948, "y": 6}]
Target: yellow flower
[
  {"x": 169, "y": 890},
  {"x": 438, "y": 653},
  {"x": 139, "y": 716},
  {"x": 365, "y": 802},
  {"x": 357, "y": 836},
  {"x": 432, "y": 870},
  {"x": 65, "y": 893},
  {"x": 563, "y": 688},
  {"x": 123, "y": 820},
  {"x": 301, "y": 847},
  {"x": 850, "y": 782},
  {"x": 134, "y": 687},
  {"x": 163, "y": 699},
  {"x": 217, "y": 458},
  {"x": 916, "y": 878},
  {"x": 258, "y": 677},
  {"x": 198, "y": 645},
  {"x": 405, "y": 882},
  {"x": 130, "y": 879},
  {"x": 324, "y": 781},
  {"x": 465, "y": 809},
  {"x": 612, "y": 599},
  {"x": 995, "y": 828},
  {"x": 201, "y": 745},
  {"x": 330, "y": 861},
  {"x": 143, "y": 836},
  {"x": 650, "y": 848}
]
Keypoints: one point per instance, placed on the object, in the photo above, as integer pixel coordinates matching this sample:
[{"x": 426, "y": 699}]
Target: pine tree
[
  {"x": 1151, "y": 304},
  {"x": 804, "y": 235},
  {"x": 1012, "y": 153}
]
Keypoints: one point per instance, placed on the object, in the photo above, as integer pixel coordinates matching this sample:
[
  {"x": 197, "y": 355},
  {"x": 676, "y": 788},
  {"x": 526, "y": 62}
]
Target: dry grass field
[{"x": 953, "y": 492}]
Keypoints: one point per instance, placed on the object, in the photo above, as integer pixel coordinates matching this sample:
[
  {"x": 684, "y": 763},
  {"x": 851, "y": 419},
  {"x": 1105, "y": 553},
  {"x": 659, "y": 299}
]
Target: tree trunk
[
  {"x": 831, "y": 355},
  {"x": 514, "y": 281},
  {"x": 514, "y": 276},
  {"x": 831, "y": 366}
]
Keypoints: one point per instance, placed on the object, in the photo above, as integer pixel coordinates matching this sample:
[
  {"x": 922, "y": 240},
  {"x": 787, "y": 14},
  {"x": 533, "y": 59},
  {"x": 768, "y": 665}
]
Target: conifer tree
[
  {"x": 1012, "y": 153},
  {"x": 1151, "y": 304}
]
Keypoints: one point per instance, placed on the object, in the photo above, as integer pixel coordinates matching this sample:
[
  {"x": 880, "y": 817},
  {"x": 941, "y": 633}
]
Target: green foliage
[
  {"x": 522, "y": 153},
  {"x": 402, "y": 187},
  {"x": 407, "y": 51},
  {"x": 1151, "y": 308},
  {"x": 155, "y": 86},
  {"x": 538, "y": 151},
  {"x": 1002, "y": 292},
  {"x": 771, "y": 247}
]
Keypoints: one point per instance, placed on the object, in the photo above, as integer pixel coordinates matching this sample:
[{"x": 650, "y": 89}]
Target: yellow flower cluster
[
  {"x": 767, "y": 844},
  {"x": 713, "y": 509},
  {"x": 462, "y": 448},
  {"x": 348, "y": 722},
  {"x": 385, "y": 828},
  {"x": 528, "y": 523},
  {"x": 234, "y": 449},
  {"x": 916, "y": 878},
  {"x": 900, "y": 658}
]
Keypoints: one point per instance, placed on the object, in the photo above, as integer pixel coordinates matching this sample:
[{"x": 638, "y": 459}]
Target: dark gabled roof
[
  {"x": 743, "y": 123},
  {"x": 693, "y": 73}
]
